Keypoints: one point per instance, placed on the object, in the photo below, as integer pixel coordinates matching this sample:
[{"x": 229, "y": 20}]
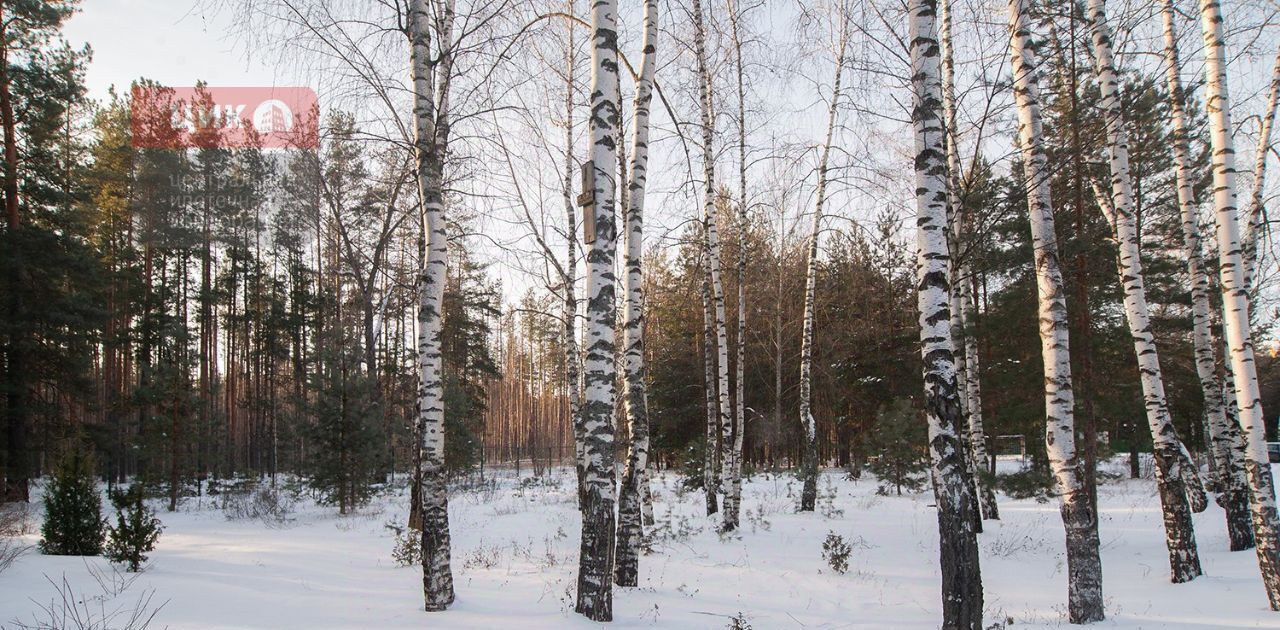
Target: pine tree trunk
[
  {"x": 809, "y": 463},
  {"x": 630, "y": 497},
  {"x": 595, "y": 562},
  {"x": 967, "y": 364},
  {"x": 1079, "y": 514},
  {"x": 430, "y": 133},
  {"x": 1224, "y": 438},
  {"x": 1235, "y": 298},
  {"x": 958, "y": 546},
  {"x": 1184, "y": 560},
  {"x": 18, "y": 460}
]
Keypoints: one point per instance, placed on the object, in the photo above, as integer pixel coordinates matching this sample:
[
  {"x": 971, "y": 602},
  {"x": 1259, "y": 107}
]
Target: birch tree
[
  {"x": 1235, "y": 302},
  {"x": 809, "y": 463},
  {"x": 958, "y": 545},
  {"x": 595, "y": 562},
  {"x": 635, "y": 404},
  {"x": 569, "y": 308},
  {"x": 733, "y": 484},
  {"x": 710, "y": 455},
  {"x": 1225, "y": 441},
  {"x": 1257, "y": 210},
  {"x": 712, "y": 236},
  {"x": 1184, "y": 560},
  {"x": 431, "y": 135},
  {"x": 962, "y": 310},
  {"x": 1079, "y": 513}
]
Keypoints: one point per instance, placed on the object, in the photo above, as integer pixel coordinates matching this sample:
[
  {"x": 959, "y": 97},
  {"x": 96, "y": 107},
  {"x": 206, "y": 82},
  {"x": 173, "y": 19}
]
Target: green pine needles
[
  {"x": 135, "y": 532},
  {"x": 73, "y": 523}
]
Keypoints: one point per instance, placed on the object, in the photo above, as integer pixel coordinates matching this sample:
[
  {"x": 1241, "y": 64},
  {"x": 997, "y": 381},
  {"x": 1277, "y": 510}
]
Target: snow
[{"x": 515, "y": 557}]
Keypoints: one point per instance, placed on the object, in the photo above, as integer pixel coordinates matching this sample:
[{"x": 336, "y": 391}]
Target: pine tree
[
  {"x": 897, "y": 460},
  {"x": 345, "y": 453},
  {"x": 73, "y": 523},
  {"x": 47, "y": 272},
  {"x": 136, "y": 530}
]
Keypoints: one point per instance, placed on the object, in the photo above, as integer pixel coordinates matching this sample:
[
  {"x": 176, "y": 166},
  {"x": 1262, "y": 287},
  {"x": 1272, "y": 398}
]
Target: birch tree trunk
[
  {"x": 967, "y": 364},
  {"x": 646, "y": 491},
  {"x": 1079, "y": 514},
  {"x": 431, "y": 133},
  {"x": 958, "y": 543},
  {"x": 1257, "y": 210},
  {"x": 1184, "y": 561},
  {"x": 569, "y": 309},
  {"x": 630, "y": 497},
  {"x": 809, "y": 464},
  {"x": 710, "y": 472},
  {"x": 1235, "y": 299},
  {"x": 1226, "y": 442},
  {"x": 712, "y": 233},
  {"x": 733, "y": 485},
  {"x": 595, "y": 562}
]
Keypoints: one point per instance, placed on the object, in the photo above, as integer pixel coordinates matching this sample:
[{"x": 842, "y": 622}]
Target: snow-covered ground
[{"x": 515, "y": 552}]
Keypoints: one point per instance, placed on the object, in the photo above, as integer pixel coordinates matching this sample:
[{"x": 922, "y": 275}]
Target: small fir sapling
[
  {"x": 73, "y": 523},
  {"x": 136, "y": 529}
]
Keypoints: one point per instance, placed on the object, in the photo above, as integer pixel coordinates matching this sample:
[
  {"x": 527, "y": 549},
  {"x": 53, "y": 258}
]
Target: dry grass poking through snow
[{"x": 284, "y": 562}]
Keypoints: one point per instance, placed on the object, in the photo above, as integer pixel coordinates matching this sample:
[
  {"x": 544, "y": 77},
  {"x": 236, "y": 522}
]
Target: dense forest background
[{"x": 202, "y": 315}]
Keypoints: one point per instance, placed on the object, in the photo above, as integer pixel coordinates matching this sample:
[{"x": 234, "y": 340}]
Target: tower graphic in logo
[{"x": 272, "y": 116}]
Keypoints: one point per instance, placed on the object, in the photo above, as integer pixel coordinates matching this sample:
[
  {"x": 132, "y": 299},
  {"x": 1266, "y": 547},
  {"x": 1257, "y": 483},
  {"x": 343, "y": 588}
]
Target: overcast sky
[{"x": 175, "y": 42}]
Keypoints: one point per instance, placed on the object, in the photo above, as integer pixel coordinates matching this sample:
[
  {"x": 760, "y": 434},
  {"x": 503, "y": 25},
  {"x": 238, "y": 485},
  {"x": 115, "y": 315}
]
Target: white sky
[
  {"x": 175, "y": 42},
  {"x": 179, "y": 42}
]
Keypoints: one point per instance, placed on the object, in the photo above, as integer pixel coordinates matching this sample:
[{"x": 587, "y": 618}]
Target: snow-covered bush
[
  {"x": 13, "y": 524},
  {"x": 270, "y": 505}
]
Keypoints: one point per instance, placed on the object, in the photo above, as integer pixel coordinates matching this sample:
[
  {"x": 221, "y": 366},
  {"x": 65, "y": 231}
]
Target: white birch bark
[
  {"x": 967, "y": 364},
  {"x": 809, "y": 463},
  {"x": 710, "y": 471},
  {"x": 1225, "y": 441},
  {"x": 430, "y": 75},
  {"x": 630, "y": 498},
  {"x": 1235, "y": 299},
  {"x": 595, "y": 563},
  {"x": 958, "y": 547},
  {"x": 1184, "y": 560},
  {"x": 712, "y": 234},
  {"x": 1079, "y": 514},
  {"x": 733, "y": 482},
  {"x": 569, "y": 308},
  {"x": 1257, "y": 211}
]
